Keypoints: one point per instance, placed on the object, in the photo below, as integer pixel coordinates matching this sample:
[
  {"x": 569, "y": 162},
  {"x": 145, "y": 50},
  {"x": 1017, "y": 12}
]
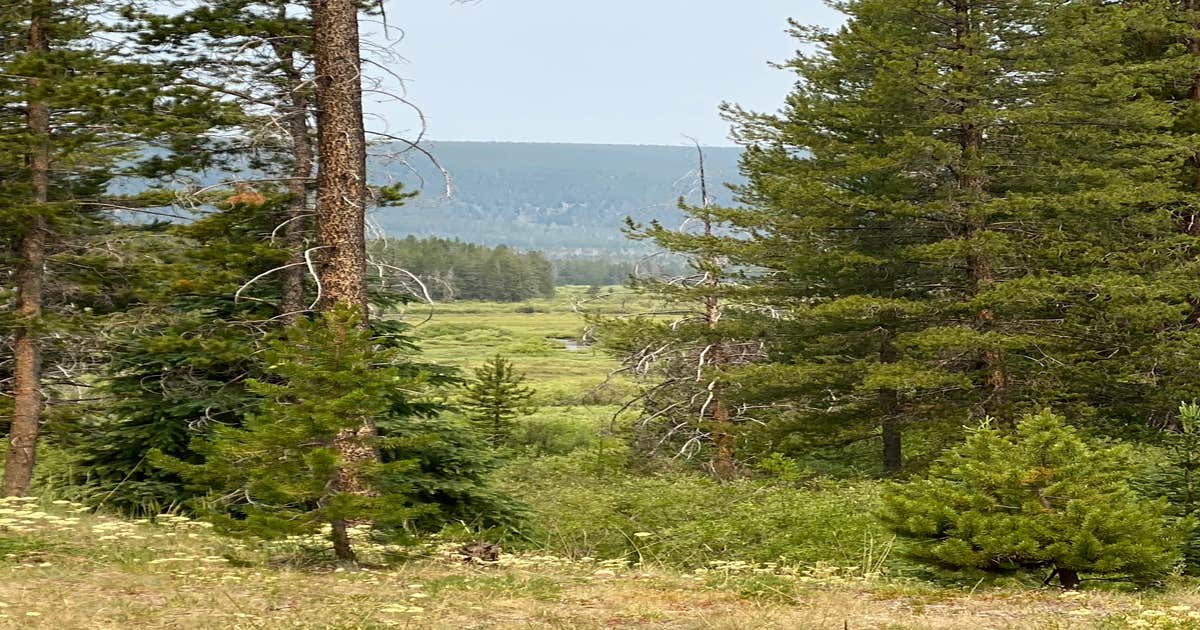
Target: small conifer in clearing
[
  {"x": 495, "y": 398},
  {"x": 1043, "y": 498}
]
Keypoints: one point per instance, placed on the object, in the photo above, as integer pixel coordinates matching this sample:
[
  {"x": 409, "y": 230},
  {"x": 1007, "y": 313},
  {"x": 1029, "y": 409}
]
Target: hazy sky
[{"x": 605, "y": 71}]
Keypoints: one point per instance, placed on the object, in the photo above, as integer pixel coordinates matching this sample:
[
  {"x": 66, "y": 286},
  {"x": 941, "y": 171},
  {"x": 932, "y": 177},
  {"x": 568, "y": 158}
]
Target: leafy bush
[
  {"x": 552, "y": 434},
  {"x": 586, "y": 504},
  {"x": 1043, "y": 498}
]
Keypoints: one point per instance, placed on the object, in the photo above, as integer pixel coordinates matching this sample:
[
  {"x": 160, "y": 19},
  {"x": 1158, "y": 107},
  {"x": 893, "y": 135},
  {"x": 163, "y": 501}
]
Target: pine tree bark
[
  {"x": 341, "y": 147},
  {"x": 723, "y": 465},
  {"x": 973, "y": 184},
  {"x": 298, "y": 183},
  {"x": 340, "y": 209},
  {"x": 889, "y": 409},
  {"x": 27, "y": 355}
]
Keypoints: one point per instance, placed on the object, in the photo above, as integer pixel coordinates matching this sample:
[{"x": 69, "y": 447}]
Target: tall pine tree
[{"x": 944, "y": 209}]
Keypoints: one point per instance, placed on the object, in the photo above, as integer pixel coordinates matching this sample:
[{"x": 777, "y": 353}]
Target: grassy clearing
[
  {"x": 606, "y": 546},
  {"x": 64, "y": 570},
  {"x": 576, "y": 392}
]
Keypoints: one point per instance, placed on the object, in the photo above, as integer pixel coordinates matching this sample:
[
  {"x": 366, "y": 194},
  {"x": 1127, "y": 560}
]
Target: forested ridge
[
  {"x": 563, "y": 199},
  {"x": 947, "y": 312}
]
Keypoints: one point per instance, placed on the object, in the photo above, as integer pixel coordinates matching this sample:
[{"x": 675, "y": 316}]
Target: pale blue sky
[{"x": 604, "y": 71}]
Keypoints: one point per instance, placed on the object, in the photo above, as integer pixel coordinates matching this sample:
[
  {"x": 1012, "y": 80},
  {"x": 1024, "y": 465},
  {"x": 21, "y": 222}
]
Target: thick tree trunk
[
  {"x": 341, "y": 207},
  {"x": 27, "y": 355},
  {"x": 342, "y": 548},
  {"x": 341, "y": 147},
  {"x": 1068, "y": 578}
]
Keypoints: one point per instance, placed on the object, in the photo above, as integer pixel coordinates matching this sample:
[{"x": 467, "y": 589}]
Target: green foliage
[
  {"x": 588, "y": 504},
  {"x": 495, "y": 398},
  {"x": 182, "y": 367},
  {"x": 454, "y": 270},
  {"x": 1044, "y": 497},
  {"x": 1178, "y": 479},
  {"x": 284, "y": 471}
]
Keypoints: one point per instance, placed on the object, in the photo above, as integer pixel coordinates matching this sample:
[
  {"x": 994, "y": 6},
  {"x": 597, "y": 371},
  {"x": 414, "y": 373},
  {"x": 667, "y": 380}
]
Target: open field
[
  {"x": 544, "y": 338},
  {"x": 62, "y": 570}
]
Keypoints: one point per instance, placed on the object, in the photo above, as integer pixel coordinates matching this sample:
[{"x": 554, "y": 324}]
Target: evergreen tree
[
  {"x": 945, "y": 214},
  {"x": 179, "y": 367},
  {"x": 495, "y": 398},
  {"x": 75, "y": 111},
  {"x": 1042, "y": 498},
  {"x": 685, "y": 402},
  {"x": 286, "y": 466},
  {"x": 257, "y": 56}
]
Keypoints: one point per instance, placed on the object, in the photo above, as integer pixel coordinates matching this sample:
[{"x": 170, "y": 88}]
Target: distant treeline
[
  {"x": 454, "y": 270},
  {"x": 451, "y": 269}
]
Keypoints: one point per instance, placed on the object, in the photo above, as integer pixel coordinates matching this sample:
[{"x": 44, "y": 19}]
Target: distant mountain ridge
[{"x": 563, "y": 199}]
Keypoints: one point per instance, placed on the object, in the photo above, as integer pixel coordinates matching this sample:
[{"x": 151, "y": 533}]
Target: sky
[{"x": 598, "y": 71}]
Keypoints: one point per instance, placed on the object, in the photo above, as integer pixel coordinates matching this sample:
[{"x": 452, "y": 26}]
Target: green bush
[
  {"x": 531, "y": 347},
  {"x": 1043, "y": 498},
  {"x": 557, "y": 434},
  {"x": 585, "y": 504}
]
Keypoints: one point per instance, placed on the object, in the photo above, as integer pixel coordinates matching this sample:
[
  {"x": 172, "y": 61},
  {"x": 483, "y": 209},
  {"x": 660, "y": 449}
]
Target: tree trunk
[
  {"x": 341, "y": 147},
  {"x": 722, "y": 429},
  {"x": 340, "y": 210},
  {"x": 298, "y": 183},
  {"x": 27, "y": 355},
  {"x": 889, "y": 410},
  {"x": 1068, "y": 578},
  {"x": 342, "y": 549},
  {"x": 972, "y": 183}
]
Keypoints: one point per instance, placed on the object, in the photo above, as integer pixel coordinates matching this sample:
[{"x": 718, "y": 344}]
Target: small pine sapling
[
  {"x": 1179, "y": 480},
  {"x": 1042, "y": 498},
  {"x": 495, "y": 398}
]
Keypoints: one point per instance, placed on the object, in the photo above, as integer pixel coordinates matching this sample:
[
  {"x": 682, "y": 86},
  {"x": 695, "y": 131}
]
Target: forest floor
[{"x": 62, "y": 570}]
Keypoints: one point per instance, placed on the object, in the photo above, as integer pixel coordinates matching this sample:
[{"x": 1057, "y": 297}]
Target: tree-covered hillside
[{"x": 562, "y": 199}]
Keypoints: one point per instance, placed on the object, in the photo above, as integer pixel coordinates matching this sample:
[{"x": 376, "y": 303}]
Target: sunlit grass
[{"x": 63, "y": 568}]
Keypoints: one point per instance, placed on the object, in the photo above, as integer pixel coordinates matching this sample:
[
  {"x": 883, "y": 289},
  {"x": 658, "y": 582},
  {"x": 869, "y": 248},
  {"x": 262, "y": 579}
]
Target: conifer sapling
[{"x": 1042, "y": 498}]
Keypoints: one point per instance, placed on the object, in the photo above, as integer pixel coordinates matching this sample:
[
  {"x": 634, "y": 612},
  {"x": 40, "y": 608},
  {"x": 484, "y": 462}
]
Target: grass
[
  {"x": 465, "y": 334},
  {"x": 607, "y": 548},
  {"x": 88, "y": 571}
]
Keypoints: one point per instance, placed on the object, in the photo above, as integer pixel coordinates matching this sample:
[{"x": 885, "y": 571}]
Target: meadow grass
[
  {"x": 63, "y": 569},
  {"x": 606, "y": 546}
]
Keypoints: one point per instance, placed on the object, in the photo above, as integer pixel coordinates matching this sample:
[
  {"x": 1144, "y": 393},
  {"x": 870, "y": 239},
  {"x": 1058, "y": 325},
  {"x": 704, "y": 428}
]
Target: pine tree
[
  {"x": 284, "y": 468},
  {"x": 75, "y": 110},
  {"x": 938, "y": 210},
  {"x": 495, "y": 398},
  {"x": 259, "y": 57},
  {"x": 685, "y": 402},
  {"x": 1043, "y": 498}
]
